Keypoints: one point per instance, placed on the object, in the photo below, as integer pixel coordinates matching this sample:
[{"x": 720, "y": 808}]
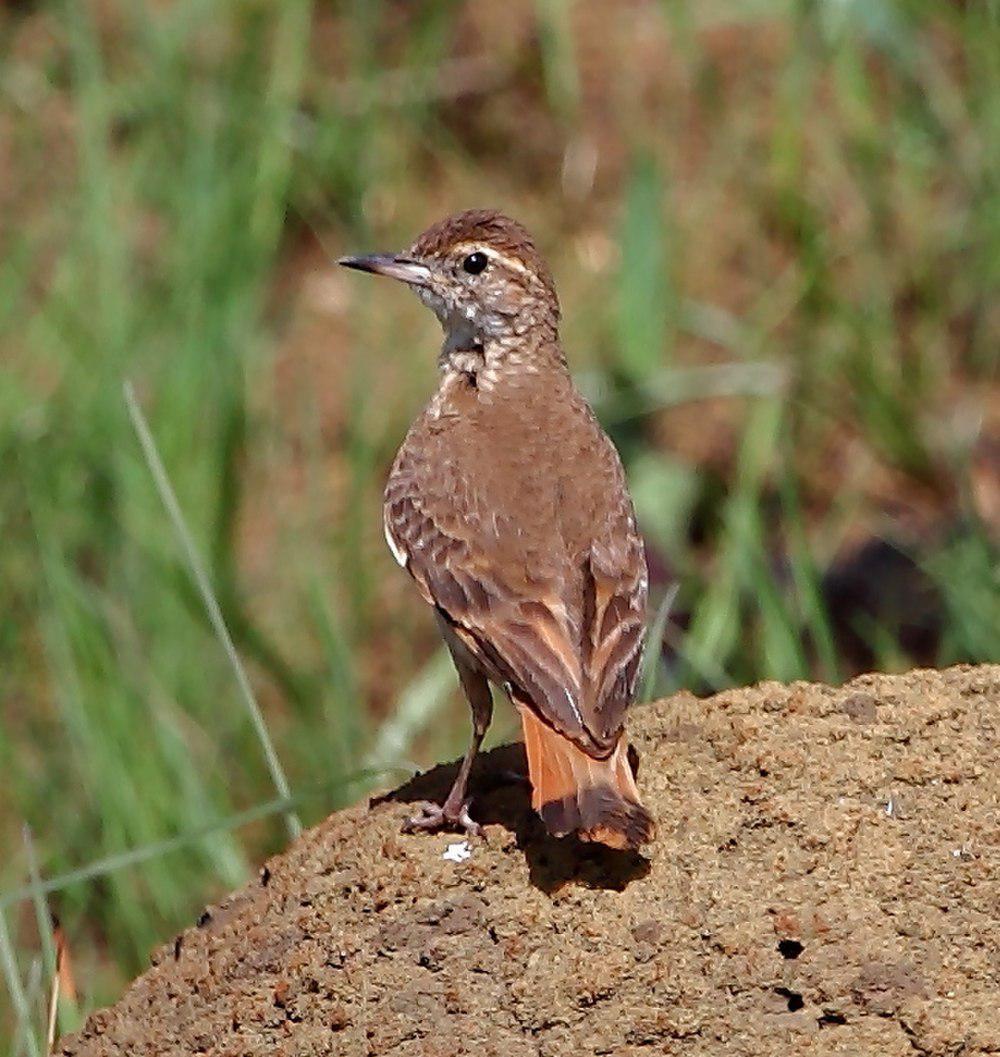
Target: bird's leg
[{"x": 455, "y": 810}]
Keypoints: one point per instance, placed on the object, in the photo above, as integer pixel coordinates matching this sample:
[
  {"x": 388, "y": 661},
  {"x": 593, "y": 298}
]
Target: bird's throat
[
  {"x": 487, "y": 359},
  {"x": 463, "y": 350}
]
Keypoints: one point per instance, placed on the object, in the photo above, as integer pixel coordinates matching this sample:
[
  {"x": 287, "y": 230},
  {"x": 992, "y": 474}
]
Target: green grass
[{"x": 792, "y": 236}]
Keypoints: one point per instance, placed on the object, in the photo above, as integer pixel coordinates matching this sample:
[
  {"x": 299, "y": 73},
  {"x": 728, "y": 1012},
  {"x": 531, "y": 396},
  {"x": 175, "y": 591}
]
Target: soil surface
[{"x": 824, "y": 881}]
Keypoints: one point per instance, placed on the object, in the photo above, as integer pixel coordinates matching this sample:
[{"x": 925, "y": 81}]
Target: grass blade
[
  {"x": 419, "y": 703},
  {"x": 654, "y": 643},
  {"x": 119, "y": 861},
  {"x": 18, "y": 996},
  {"x": 200, "y": 576},
  {"x": 645, "y": 294}
]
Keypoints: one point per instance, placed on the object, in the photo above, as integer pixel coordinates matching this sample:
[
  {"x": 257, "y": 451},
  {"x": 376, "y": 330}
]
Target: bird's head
[{"x": 481, "y": 275}]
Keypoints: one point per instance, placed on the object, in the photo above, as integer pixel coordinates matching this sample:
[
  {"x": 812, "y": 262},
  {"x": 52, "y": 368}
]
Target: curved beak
[{"x": 401, "y": 268}]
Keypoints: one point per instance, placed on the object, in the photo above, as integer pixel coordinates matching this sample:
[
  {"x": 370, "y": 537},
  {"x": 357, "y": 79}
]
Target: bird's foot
[{"x": 434, "y": 817}]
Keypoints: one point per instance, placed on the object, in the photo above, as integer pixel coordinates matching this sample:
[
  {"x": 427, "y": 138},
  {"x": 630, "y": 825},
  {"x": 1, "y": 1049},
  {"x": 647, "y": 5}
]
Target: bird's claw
[{"x": 433, "y": 817}]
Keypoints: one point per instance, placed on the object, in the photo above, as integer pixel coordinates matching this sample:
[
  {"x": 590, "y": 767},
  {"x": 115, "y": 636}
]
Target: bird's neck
[{"x": 490, "y": 359}]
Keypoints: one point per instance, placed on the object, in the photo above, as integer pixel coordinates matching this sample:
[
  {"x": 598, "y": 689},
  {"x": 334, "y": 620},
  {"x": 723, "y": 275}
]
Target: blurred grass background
[{"x": 775, "y": 227}]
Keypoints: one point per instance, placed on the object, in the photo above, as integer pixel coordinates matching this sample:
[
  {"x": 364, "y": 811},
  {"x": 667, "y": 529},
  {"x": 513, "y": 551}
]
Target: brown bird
[{"x": 507, "y": 504}]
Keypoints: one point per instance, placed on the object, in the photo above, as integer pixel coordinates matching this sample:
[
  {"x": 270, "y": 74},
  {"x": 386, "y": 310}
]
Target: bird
[{"x": 507, "y": 504}]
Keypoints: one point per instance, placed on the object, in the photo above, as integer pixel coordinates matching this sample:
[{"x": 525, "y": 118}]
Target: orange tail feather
[{"x": 573, "y": 792}]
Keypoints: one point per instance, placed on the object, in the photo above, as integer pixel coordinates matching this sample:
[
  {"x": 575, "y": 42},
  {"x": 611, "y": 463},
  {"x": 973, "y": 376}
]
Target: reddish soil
[{"x": 824, "y": 882}]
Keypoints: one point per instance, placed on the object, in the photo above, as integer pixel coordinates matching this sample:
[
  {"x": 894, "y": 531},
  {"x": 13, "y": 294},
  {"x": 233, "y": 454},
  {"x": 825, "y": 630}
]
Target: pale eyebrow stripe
[{"x": 512, "y": 262}]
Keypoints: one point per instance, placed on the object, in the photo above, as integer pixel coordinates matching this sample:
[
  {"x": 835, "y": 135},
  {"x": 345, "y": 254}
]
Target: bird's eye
[{"x": 475, "y": 263}]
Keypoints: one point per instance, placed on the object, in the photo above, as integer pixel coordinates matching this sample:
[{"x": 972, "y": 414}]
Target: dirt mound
[{"x": 824, "y": 881}]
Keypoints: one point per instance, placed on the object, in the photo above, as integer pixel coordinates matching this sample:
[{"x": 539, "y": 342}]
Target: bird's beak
[{"x": 402, "y": 268}]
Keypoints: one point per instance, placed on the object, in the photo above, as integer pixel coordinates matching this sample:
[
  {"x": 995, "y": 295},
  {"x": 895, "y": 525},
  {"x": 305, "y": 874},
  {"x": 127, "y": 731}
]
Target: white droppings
[{"x": 457, "y": 852}]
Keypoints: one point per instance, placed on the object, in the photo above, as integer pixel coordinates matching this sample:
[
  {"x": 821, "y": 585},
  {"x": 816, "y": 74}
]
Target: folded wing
[{"x": 565, "y": 637}]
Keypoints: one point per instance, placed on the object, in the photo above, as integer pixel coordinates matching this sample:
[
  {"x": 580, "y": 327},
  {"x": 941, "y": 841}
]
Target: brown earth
[{"x": 824, "y": 882}]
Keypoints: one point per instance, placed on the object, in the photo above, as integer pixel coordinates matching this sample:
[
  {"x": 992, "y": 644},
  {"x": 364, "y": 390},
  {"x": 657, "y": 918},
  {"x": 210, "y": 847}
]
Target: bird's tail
[{"x": 573, "y": 792}]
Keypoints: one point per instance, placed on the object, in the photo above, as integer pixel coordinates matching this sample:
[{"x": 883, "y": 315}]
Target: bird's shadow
[{"x": 501, "y": 796}]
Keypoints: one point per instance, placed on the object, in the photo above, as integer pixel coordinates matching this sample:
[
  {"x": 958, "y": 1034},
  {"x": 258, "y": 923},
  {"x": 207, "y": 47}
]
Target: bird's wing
[
  {"x": 523, "y": 635},
  {"x": 566, "y": 639}
]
